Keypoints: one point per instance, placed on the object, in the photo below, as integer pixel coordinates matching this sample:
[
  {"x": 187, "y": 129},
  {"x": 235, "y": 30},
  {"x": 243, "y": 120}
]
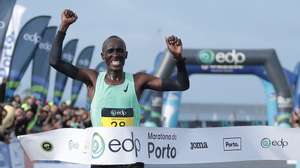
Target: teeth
[{"x": 116, "y": 63}]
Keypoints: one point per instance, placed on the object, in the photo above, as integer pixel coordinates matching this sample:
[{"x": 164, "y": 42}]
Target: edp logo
[
  {"x": 35, "y": 38},
  {"x": 267, "y": 143}
]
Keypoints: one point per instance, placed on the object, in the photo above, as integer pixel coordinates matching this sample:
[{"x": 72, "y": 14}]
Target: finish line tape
[{"x": 108, "y": 146}]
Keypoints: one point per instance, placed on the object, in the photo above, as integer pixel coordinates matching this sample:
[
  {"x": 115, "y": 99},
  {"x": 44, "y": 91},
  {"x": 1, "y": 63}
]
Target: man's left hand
[{"x": 174, "y": 45}]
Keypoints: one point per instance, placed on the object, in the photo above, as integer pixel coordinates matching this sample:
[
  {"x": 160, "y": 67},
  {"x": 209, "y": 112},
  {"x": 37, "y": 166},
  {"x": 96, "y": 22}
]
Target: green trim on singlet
[{"x": 114, "y": 96}]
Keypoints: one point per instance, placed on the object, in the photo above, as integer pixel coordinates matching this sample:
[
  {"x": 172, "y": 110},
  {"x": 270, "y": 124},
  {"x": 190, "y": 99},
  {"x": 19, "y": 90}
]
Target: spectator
[
  {"x": 39, "y": 120},
  {"x": 20, "y": 127},
  {"x": 2, "y": 90},
  {"x": 16, "y": 101},
  {"x": 6, "y": 122}
]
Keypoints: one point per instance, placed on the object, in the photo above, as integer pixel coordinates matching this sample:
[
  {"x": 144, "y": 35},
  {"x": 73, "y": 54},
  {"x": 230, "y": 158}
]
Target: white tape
[{"x": 163, "y": 145}]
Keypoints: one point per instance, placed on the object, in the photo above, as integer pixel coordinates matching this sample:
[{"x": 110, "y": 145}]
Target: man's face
[
  {"x": 17, "y": 98},
  {"x": 19, "y": 114},
  {"x": 114, "y": 54}
]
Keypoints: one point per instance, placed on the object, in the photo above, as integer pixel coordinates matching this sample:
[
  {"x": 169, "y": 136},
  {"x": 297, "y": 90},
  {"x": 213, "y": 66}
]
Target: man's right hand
[{"x": 67, "y": 18}]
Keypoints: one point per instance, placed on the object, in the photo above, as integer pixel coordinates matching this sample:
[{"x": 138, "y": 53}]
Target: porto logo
[
  {"x": 47, "y": 146},
  {"x": 98, "y": 145},
  {"x": 232, "y": 144},
  {"x": 2, "y": 25},
  {"x": 161, "y": 152},
  {"x": 206, "y": 56}
]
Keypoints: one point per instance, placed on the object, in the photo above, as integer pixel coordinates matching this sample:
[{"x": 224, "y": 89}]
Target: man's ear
[{"x": 126, "y": 54}]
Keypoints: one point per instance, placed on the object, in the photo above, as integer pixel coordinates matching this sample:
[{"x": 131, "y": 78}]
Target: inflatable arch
[{"x": 262, "y": 62}]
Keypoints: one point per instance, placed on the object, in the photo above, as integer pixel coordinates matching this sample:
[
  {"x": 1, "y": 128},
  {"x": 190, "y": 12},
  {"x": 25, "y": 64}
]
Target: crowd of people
[{"x": 20, "y": 117}]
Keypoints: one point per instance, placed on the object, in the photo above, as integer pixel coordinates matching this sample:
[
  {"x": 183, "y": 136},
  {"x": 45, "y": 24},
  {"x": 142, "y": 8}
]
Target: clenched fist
[
  {"x": 174, "y": 45},
  {"x": 67, "y": 18}
]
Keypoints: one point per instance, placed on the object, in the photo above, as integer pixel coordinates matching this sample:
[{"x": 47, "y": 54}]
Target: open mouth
[{"x": 116, "y": 63}]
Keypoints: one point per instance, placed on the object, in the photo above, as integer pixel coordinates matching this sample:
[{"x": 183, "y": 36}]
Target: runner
[{"x": 115, "y": 93}]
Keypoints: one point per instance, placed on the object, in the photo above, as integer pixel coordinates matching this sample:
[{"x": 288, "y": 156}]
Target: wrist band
[{"x": 181, "y": 60}]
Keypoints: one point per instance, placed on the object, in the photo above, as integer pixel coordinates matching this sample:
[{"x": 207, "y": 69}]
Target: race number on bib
[{"x": 117, "y": 117}]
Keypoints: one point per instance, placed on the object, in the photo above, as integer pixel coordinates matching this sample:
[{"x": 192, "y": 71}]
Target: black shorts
[{"x": 135, "y": 165}]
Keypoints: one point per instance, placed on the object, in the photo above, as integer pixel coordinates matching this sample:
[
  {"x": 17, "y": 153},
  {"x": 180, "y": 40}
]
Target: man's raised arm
[
  {"x": 181, "y": 82},
  {"x": 55, "y": 60}
]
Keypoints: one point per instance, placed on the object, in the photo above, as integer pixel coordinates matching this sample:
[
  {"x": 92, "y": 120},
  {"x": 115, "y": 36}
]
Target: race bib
[{"x": 117, "y": 117}]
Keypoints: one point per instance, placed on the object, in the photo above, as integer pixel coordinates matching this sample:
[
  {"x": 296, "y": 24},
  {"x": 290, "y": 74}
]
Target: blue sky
[{"x": 199, "y": 23}]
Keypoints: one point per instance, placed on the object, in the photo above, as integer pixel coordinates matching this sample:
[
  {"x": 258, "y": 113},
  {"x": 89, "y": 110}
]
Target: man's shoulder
[
  {"x": 144, "y": 76},
  {"x": 140, "y": 74}
]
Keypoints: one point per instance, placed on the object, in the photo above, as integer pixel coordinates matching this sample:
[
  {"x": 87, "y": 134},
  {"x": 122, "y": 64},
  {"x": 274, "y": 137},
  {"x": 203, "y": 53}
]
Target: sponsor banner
[
  {"x": 10, "y": 39},
  {"x": 5, "y": 14},
  {"x": 40, "y": 67},
  {"x": 163, "y": 145},
  {"x": 27, "y": 41}
]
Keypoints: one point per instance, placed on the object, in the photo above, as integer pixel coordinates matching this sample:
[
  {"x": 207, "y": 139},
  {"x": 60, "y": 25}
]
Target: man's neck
[{"x": 114, "y": 77}]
